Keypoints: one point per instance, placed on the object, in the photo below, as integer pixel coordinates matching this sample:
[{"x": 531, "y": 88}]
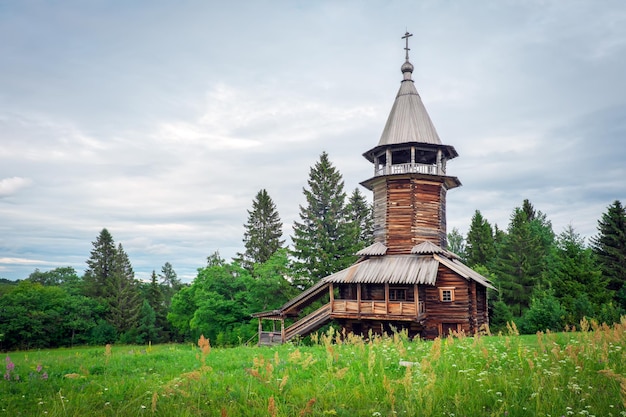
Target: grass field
[{"x": 561, "y": 374}]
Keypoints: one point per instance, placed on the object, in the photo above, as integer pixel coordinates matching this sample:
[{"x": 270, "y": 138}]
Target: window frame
[{"x": 446, "y": 290}]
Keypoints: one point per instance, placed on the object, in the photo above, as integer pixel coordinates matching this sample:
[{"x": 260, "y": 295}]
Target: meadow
[{"x": 574, "y": 373}]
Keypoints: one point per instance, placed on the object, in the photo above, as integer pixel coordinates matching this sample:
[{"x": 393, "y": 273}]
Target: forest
[{"x": 544, "y": 279}]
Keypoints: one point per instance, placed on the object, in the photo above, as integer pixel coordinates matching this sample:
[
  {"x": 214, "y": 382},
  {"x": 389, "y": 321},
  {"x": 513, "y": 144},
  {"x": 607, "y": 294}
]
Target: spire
[{"x": 408, "y": 120}]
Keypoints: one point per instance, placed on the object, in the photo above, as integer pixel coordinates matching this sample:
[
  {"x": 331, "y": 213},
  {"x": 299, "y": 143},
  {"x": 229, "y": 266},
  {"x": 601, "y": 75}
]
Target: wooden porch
[{"x": 341, "y": 309}]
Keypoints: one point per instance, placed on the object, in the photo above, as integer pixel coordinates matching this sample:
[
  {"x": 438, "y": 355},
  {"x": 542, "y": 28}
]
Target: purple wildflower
[
  {"x": 7, "y": 376},
  {"x": 10, "y": 364},
  {"x": 39, "y": 368},
  {"x": 44, "y": 376}
]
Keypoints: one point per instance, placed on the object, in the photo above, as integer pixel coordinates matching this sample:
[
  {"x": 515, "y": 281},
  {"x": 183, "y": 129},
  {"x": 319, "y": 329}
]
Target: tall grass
[{"x": 549, "y": 374}]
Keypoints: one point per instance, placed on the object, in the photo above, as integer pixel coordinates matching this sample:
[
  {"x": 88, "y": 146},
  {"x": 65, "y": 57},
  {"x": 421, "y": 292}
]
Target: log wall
[
  {"x": 440, "y": 314},
  {"x": 407, "y": 211}
]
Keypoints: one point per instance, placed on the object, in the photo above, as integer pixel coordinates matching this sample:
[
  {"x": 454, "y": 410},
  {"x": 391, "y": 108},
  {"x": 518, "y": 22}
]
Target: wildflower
[{"x": 39, "y": 368}]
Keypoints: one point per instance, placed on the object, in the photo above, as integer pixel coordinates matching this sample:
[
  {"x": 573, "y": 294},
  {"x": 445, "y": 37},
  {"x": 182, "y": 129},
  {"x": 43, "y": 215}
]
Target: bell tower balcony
[{"x": 409, "y": 160}]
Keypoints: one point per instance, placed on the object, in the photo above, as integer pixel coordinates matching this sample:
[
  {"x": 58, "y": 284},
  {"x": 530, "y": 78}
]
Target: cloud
[
  {"x": 9, "y": 186},
  {"x": 161, "y": 123}
]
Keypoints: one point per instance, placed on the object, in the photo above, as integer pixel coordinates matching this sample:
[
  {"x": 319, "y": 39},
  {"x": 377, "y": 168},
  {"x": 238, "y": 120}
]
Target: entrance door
[{"x": 446, "y": 328}]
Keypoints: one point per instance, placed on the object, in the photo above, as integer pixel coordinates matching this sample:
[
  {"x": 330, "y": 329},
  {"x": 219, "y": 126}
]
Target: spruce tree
[
  {"x": 610, "y": 247},
  {"x": 263, "y": 231},
  {"x": 123, "y": 296},
  {"x": 523, "y": 255},
  {"x": 322, "y": 239},
  {"x": 100, "y": 265},
  {"x": 360, "y": 217},
  {"x": 480, "y": 246},
  {"x": 574, "y": 276},
  {"x": 110, "y": 279}
]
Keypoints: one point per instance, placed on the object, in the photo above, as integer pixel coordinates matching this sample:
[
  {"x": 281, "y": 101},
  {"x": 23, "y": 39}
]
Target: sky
[{"x": 161, "y": 120}]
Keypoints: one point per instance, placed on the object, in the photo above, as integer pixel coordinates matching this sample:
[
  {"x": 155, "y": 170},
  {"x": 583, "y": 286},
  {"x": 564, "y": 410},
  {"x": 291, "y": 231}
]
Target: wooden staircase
[{"x": 309, "y": 323}]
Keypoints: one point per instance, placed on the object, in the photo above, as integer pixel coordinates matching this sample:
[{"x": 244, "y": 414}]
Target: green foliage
[
  {"x": 522, "y": 257},
  {"x": 545, "y": 313},
  {"x": 110, "y": 279},
  {"x": 269, "y": 289},
  {"x": 610, "y": 248},
  {"x": 170, "y": 284},
  {"x": 63, "y": 276},
  {"x": 263, "y": 231},
  {"x": 323, "y": 241},
  {"x": 480, "y": 246},
  {"x": 102, "y": 333},
  {"x": 123, "y": 297},
  {"x": 360, "y": 216},
  {"x": 34, "y": 316},
  {"x": 575, "y": 277},
  {"x": 456, "y": 243},
  {"x": 500, "y": 316},
  {"x": 147, "y": 331},
  {"x": 100, "y": 265},
  {"x": 215, "y": 305}
]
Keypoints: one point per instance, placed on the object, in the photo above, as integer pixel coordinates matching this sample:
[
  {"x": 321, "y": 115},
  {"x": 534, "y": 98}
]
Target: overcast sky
[{"x": 161, "y": 120}]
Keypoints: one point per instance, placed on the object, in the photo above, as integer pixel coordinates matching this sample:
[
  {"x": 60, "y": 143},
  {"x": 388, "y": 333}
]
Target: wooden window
[
  {"x": 397, "y": 294},
  {"x": 446, "y": 294}
]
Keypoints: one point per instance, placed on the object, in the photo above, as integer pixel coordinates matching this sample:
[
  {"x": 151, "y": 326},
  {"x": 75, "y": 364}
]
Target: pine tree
[
  {"x": 360, "y": 217},
  {"x": 480, "y": 246},
  {"x": 322, "y": 240},
  {"x": 610, "y": 247},
  {"x": 263, "y": 231}
]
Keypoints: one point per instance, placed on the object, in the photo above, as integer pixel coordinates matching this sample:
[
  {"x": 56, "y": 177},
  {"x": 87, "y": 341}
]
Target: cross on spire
[{"x": 406, "y": 37}]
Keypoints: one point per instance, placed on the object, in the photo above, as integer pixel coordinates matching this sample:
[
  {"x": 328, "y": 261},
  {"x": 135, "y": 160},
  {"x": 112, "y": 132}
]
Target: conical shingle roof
[{"x": 408, "y": 121}]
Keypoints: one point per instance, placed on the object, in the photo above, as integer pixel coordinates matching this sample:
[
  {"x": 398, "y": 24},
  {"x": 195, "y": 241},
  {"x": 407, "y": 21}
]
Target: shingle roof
[
  {"x": 394, "y": 269},
  {"x": 408, "y": 121},
  {"x": 375, "y": 249},
  {"x": 420, "y": 267}
]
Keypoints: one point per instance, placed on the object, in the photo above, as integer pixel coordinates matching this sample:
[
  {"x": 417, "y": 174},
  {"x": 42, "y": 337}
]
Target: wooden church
[{"x": 406, "y": 279}]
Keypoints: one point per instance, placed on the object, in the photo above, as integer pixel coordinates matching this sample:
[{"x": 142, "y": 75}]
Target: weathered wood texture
[
  {"x": 440, "y": 314},
  {"x": 380, "y": 210},
  {"x": 407, "y": 211}
]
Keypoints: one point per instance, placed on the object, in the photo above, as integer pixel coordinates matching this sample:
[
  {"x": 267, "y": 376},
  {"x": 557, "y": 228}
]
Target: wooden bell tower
[{"x": 410, "y": 181}]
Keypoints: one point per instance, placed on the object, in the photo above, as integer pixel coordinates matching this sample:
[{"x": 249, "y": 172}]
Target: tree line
[{"x": 543, "y": 280}]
